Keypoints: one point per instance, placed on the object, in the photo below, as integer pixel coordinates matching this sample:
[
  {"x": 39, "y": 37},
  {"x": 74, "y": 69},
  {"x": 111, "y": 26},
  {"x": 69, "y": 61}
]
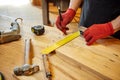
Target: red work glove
[
  {"x": 98, "y": 31},
  {"x": 67, "y": 18}
]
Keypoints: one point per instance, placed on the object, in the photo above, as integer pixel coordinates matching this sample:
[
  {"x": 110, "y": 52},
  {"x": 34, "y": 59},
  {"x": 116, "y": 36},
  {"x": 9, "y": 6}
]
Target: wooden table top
[{"x": 73, "y": 61}]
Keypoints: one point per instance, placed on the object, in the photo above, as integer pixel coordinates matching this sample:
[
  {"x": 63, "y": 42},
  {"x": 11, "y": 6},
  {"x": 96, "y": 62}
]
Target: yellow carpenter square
[{"x": 61, "y": 42}]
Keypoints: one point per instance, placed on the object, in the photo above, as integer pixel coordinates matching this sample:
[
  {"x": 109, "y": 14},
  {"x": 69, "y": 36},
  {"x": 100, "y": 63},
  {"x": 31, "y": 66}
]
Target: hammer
[{"x": 28, "y": 68}]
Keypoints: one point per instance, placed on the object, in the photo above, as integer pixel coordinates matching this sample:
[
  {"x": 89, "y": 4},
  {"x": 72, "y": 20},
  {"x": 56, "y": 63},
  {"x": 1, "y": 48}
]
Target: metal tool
[
  {"x": 46, "y": 64},
  {"x": 51, "y": 48},
  {"x": 38, "y": 30},
  {"x": 59, "y": 10},
  {"x": 28, "y": 68},
  {"x": 1, "y": 76},
  {"x": 12, "y": 34}
]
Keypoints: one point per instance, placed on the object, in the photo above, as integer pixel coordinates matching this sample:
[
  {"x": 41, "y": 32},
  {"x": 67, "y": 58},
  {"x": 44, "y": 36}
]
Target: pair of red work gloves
[{"x": 91, "y": 34}]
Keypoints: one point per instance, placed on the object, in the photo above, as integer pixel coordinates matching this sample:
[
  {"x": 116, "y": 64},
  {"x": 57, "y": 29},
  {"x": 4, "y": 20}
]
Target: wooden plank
[
  {"x": 60, "y": 69},
  {"x": 101, "y": 58},
  {"x": 72, "y": 70}
]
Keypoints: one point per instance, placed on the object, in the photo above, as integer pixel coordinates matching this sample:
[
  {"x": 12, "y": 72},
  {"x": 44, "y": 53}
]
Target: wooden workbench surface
[
  {"x": 73, "y": 61},
  {"x": 101, "y": 59},
  {"x": 13, "y": 53}
]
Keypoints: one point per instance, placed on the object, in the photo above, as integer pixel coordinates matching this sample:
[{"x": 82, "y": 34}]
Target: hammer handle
[{"x": 27, "y": 53}]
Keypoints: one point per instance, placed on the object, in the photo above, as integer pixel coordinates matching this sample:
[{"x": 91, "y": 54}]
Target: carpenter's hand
[
  {"x": 98, "y": 31},
  {"x": 67, "y": 18}
]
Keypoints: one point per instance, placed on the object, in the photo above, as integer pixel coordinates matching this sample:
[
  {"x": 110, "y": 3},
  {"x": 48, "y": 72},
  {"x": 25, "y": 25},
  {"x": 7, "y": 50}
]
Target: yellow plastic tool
[
  {"x": 0, "y": 77},
  {"x": 61, "y": 42}
]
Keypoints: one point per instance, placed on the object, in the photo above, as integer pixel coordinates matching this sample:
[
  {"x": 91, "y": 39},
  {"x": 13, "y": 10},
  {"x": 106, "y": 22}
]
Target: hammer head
[
  {"x": 26, "y": 70},
  {"x": 18, "y": 71}
]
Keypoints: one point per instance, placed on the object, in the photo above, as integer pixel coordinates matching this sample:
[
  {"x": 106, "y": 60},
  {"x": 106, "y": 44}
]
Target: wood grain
[
  {"x": 73, "y": 61},
  {"x": 101, "y": 58}
]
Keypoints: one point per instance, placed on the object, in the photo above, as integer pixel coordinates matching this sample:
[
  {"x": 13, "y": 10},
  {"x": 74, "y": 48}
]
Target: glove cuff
[
  {"x": 111, "y": 28},
  {"x": 71, "y": 11}
]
